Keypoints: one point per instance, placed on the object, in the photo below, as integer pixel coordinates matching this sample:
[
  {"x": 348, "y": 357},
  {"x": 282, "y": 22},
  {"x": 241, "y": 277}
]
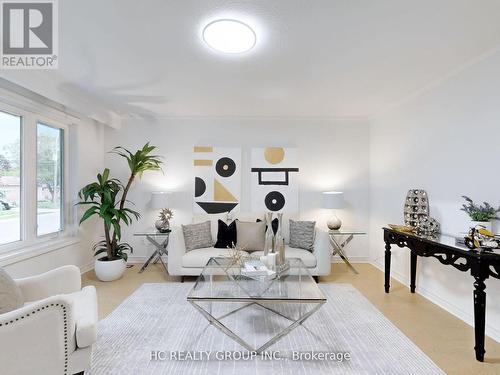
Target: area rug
[{"x": 156, "y": 331}]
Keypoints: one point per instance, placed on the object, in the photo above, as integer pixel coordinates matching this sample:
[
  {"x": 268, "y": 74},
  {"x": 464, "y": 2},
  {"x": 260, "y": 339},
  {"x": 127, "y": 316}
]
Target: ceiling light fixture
[{"x": 229, "y": 36}]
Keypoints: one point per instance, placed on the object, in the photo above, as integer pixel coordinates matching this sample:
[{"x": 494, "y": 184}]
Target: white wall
[
  {"x": 332, "y": 155},
  {"x": 86, "y": 153},
  {"x": 445, "y": 141}
]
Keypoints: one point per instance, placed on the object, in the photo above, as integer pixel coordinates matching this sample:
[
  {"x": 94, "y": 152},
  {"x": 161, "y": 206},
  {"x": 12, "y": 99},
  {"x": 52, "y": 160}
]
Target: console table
[{"x": 481, "y": 264}]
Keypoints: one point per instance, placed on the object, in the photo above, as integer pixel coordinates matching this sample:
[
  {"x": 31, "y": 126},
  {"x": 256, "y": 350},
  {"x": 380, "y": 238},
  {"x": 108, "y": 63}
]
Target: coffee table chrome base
[{"x": 216, "y": 322}]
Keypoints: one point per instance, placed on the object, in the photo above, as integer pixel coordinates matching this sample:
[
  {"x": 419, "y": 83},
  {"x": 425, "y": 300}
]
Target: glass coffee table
[{"x": 285, "y": 301}]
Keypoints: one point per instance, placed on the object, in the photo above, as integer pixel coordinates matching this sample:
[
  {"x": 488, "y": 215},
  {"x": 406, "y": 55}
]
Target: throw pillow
[
  {"x": 251, "y": 236},
  {"x": 226, "y": 235},
  {"x": 197, "y": 236},
  {"x": 302, "y": 234},
  {"x": 11, "y": 297}
]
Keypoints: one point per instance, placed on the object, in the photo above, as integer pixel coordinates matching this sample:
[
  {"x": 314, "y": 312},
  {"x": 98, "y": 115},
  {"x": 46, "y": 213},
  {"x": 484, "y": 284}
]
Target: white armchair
[{"x": 54, "y": 331}]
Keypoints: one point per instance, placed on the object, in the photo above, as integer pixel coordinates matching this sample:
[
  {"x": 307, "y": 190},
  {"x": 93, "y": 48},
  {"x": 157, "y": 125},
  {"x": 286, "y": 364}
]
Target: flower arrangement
[{"x": 482, "y": 213}]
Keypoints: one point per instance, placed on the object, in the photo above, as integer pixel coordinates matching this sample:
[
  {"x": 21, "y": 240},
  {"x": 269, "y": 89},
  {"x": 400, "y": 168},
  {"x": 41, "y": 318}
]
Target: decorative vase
[
  {"x": 486, "y": 224},
  {"x": 162, "y": 226},
  {"x": 109, "y": 270},
  {"x": 278, "y": 237},
  {"x": 281, "y": 253},
  {"x": 334, "y": 223},
  {"x": 268, "y": 243}
]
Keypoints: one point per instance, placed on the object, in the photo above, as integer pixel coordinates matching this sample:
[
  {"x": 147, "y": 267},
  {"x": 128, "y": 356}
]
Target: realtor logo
[{"x": 29, "y": 34}]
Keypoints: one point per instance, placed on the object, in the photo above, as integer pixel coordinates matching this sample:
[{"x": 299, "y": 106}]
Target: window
[
  {"x": 49, "y": 179},
  {"x": 34, "y": 206},
  {"x": 10, "y": 178}
]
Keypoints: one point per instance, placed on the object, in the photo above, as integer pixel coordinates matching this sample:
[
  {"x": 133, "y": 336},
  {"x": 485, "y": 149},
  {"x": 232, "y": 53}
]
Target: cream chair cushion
[{"x": 11, "y": 297}]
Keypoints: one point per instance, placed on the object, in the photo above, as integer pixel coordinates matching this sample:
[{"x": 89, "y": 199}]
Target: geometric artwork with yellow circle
[
  {"x": 217, "y": 179},
  {"x": 274, "y": 180}
]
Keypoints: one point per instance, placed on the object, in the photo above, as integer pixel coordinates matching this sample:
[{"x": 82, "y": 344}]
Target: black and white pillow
[
  {"x": 197, "y": 236},
  {"x": 226, "y": 235},
  {"x": 302, "y": 234}
]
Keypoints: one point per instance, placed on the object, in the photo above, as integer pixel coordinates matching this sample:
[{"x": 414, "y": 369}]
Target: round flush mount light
[{"x": 229, "y": 36}]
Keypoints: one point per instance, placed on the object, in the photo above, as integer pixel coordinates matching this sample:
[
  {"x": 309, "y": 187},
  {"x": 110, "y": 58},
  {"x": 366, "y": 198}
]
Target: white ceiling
[{"x": 334, "y": 58}]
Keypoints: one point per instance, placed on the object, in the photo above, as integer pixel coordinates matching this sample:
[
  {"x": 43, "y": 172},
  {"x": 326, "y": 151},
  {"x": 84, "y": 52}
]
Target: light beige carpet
[{"x": 156, "y": 330}]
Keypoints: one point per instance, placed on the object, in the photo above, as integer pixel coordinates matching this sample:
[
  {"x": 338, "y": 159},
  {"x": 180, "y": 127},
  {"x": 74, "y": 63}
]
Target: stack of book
[{"x": 257, "y": 270}]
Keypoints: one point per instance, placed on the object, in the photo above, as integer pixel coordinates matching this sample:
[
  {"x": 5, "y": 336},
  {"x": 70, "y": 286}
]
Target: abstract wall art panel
[
  {"x": 274, "y": 180},
  {"x": 217, "y": 179}
]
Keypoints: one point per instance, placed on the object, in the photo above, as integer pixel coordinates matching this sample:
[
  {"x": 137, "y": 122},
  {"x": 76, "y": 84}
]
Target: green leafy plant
[
  {"x": 484, "y": 212},
  {"x": 107, "y": 199}
]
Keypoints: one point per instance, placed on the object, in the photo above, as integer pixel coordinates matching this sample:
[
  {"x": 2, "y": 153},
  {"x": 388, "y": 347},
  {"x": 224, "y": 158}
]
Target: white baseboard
[
  {"x": 136, "y": 260},
  {"x": 86, "y": 267},
  {"x": 453, "y": 309},
  {"x": 353, "y": 259}
]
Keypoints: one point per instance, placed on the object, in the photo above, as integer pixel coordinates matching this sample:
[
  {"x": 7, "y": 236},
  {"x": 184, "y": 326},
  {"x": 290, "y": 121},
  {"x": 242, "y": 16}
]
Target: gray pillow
[
  {"x": 197, "y": 236},
  {"x": 11, "y": 297},
  {"x": 250, "y": 236},
  {"x": 302, "y": 234}
]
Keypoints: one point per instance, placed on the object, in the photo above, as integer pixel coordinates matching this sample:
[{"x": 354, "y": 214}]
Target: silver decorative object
[
  {"x": 416, "y": 213},
  {"x": 428, "y": 225},
  {"x": 278, "y": 237},
  {"x": 416, "y": 207},
  {"x": 269, "y": 240}
]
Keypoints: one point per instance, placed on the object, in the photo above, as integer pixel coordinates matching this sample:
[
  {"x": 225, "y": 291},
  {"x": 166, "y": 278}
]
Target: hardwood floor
[{"x": 444, "y": 338}]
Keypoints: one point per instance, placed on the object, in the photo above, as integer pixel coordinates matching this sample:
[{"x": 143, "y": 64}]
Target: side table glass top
[
  {"x": 151, "y": 232},
  {"x": 345, "y": 232},
  {"x": 221, "y": 279}
]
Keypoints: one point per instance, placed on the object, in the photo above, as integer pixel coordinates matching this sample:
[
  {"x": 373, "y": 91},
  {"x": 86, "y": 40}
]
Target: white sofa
[
  {"x": 191, "y": 263},
  {"x": 54, "y": 331}
]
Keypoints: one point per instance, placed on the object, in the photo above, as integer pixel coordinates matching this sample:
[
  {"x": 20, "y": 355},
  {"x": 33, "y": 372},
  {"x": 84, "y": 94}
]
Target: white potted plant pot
[
  {"x": 109, "y": 270},
  {"x": 486, "y": 224}
]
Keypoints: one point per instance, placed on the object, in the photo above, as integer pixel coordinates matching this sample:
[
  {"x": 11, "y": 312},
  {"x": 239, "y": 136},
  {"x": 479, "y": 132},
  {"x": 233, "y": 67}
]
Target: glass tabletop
[
  {"x": 221, "y": 279},
  {"x": 152, "y": 232},
  {"x": 345, "y": 232},
  {"x": 450, "y": 242}
]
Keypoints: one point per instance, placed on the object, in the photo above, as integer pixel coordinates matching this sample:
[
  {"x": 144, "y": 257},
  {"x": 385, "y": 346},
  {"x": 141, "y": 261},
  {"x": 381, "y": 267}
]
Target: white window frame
[{"x": 30, "y": 242}]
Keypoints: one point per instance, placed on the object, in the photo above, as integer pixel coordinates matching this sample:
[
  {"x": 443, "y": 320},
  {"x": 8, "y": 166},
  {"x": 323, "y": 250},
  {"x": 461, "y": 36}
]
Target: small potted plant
[
  {"x": 480, "y": 214},
  {"x": 107, "y": 199}
]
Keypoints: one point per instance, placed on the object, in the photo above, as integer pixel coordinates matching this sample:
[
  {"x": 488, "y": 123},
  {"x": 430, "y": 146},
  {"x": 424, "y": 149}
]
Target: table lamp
[
  {"x": 333, "y": 200},
  {"x": 159, "y": 202}
]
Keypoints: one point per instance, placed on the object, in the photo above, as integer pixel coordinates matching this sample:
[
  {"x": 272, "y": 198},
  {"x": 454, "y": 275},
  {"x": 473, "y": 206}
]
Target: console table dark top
[
  {"x": 444, "y": 248},
  {"x": 481, "y": 263}
]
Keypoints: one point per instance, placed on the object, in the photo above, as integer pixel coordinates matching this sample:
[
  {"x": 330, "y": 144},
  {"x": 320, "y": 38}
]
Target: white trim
[
  {"x": 28, "y": 196},
  {"x": 451, "y": 308},
  {"x": 23, "y": 253},
  {"x": 433, "y": 84},
  {"x": 86, "y": 267},
  {"x": 352, "y": 259},
  {"x": 141, "y": 259}
]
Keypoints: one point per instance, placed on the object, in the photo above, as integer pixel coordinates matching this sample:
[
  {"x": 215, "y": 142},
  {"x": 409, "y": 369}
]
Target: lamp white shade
[
  {"x": 333, "y": 199},
  {"x": 158, "y": 200}
]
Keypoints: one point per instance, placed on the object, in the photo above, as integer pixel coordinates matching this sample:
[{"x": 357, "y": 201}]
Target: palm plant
[{"x": 105, "y": 201}]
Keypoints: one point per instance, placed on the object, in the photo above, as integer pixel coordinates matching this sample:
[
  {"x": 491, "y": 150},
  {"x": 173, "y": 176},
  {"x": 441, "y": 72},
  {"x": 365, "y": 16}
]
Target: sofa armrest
[
  {"x": 322, "y": 252},
  {"x": 86, "y": 316},
  {"x": 176, "y": 250},
  {"x": 62, "y": 280},
  {"x": 37, "y": 338}
]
